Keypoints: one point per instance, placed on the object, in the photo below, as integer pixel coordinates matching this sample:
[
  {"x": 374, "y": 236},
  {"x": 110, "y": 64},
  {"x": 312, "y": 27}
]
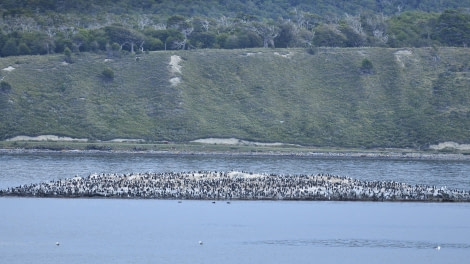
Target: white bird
[
  {"x": 57, "y": 243},
  {"x": 200, "y": 242},
  {"x": 438, "y": 248}
]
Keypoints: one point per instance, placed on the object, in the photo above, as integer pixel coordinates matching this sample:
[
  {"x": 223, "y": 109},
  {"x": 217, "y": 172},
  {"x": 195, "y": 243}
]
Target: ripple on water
[{"x": 362, "y": 243}]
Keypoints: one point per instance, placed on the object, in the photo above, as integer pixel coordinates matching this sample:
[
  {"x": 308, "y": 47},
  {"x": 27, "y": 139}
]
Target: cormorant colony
[{"x": 233, "y": 185}]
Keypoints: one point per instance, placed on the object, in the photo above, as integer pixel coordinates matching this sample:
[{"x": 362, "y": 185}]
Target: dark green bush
[
  {"x": 68, "y": 55},
  {"x": 108, "y": 74},
  {"x": 5, "y": 87},
  {"x": 367, "y": 67}
]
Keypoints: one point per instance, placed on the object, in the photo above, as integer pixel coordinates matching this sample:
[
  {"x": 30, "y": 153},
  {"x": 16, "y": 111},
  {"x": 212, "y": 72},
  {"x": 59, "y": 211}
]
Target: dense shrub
[
  {"x": 10, "y": 48},
  {"x": 5, "y": 87},
  {"x": 108, "y": 74},
  {"x": 366, "y": 66},
  {"x": 68, "y": 55}
]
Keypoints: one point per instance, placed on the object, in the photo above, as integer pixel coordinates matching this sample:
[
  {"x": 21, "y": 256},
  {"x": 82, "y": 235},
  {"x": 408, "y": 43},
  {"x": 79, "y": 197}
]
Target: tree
[
  {"x": 125, "y": 36},
  {"x": 376, "y": 26},
  {"x": 203, "y": 39},
  {"x": 68, "y": 55},
  {"x": 267, "y": 32},
  {"x": 177, "y": 22},
  {"x": 153, "y": 44},
  {"x": 37, "y": 42},
  {"x": 352, "y": 37},
  {"x": 186, "y": 33},
  {"x": 287, "y": 34},
  {"x": 328, "y": 35},
  {"x": 248, "y": 39},
  {"x": 3, "y": 39},
  {"x": 182, "y": 25},
  {"x": 23, "y": 49},
  {"x": 231, "y": 42},
  {"x": 411, "y": 29},
  {"x": 113, "y": 50},
  {"x": 144, "y": 21},
  {"x": 80, "y": 39},
  {"x": 351, "y": 27},
  {"x": 304, "y": 20},
  {"x": 10, "y": 48},
  {"x": 354, "y": 22},
  {"x": 205, "y": 24},
  {"x": 453, "y": 28},
  {"x": 167, "y": 36},
  {"x": 220, "y": 40}
]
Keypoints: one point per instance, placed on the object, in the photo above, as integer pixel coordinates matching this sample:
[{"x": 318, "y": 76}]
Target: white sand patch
[
  {"x": 46, "y": 138},
  {"x": 362, "y": 52},
  {"x": 8, "y": 69},
  {"x": 175, "y": 66},
  {"x": 235, "y": 141},
  {"x": 287, "y": 56},
  {"x": 222, "y": 141},
  {"x": 402, "y": 54},
  {"x": 450, "y": 145},
  {"x": 175, "y": 81},
  {"x": 251, "y": 54},
  {"x": 121, "y": 140}
]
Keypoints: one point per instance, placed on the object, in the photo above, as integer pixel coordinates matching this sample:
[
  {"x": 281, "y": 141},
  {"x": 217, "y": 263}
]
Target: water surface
[
  {"x": 154, "y": 231},
  {"x": 37, "y": 167}
]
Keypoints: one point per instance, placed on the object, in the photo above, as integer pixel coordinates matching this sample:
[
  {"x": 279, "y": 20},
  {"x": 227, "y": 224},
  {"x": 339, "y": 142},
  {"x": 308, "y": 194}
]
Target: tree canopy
[{"x": 31, "y": 27}]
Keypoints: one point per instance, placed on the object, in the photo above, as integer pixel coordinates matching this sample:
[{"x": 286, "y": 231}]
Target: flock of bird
[{"x": 234, "y": 185}]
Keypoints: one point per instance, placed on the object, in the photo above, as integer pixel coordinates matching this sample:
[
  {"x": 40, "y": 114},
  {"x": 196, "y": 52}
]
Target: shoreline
[
  {"x": 316, "y": 153},
  {"x": 179, "y": 200}
]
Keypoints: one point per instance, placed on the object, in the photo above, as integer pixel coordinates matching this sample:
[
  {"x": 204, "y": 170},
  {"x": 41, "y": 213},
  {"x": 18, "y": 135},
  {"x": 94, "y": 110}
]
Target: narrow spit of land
[
  {"x": 233, "y": 185},
  {"x": 231, "y": 150}
]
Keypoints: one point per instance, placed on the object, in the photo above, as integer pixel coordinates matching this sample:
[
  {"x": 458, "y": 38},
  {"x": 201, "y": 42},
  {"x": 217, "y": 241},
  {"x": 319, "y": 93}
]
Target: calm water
[
  {"x": 31, "y": 168},
  {"x": 152, "y": 231}
]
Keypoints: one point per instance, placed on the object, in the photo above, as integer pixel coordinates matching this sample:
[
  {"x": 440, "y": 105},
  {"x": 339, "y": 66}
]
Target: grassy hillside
[{"x": 408, "y": 98}]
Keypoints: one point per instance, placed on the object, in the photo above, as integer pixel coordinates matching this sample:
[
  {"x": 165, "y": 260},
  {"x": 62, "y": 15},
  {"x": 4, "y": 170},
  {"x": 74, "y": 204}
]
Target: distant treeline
[
  {"x": 215, "y": 8},
  {"x": 36, "y": 27}
]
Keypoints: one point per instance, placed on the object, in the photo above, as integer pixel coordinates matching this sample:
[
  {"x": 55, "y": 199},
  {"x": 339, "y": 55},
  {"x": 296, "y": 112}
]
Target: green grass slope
[{"x": 410, "y": 97}]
